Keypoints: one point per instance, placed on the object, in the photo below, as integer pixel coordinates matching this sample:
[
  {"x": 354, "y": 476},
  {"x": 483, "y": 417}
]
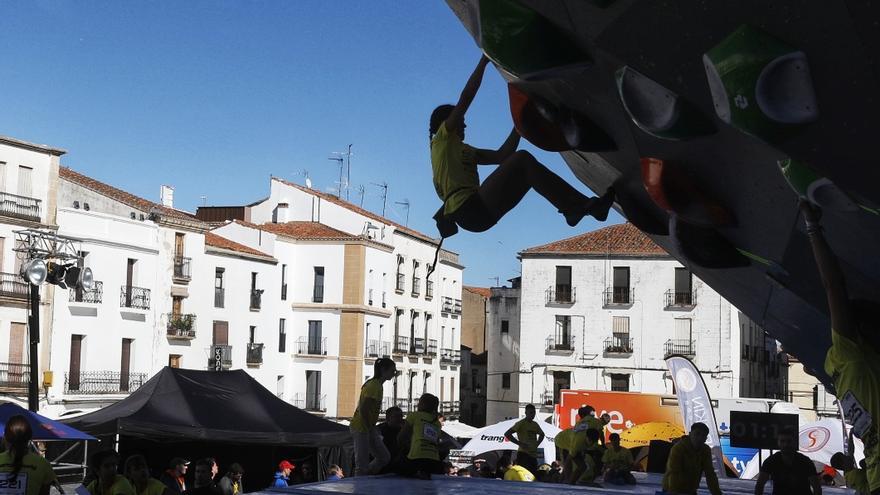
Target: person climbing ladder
[{"x": 477, "y": 207}]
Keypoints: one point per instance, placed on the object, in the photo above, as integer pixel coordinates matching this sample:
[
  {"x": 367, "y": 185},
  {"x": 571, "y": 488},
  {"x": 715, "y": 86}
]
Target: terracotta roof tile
[
  {"x": 482, "y": 291},
  {"x": 623, "y": 239},
  {"x": 214, "y": 240},
  {"x": 307, "y": 230},
  {"x": 359, "y": 210},
  {"x": 119, "y": 195}
]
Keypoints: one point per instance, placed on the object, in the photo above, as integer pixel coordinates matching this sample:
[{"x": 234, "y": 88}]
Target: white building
[{"x": 601, "y": 311}]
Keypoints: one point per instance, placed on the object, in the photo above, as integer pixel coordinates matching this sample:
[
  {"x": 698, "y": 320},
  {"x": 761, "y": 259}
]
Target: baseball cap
[
  {"x": 178, "y": 461},
  {"x": 285, "y": 465}
]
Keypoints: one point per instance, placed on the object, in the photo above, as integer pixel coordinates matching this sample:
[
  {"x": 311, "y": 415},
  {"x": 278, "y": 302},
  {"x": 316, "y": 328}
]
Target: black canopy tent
[{"x": 225, "y": 414}]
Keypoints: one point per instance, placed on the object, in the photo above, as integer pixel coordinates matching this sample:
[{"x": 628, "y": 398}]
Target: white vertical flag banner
[{"x": 695, "y": 404}]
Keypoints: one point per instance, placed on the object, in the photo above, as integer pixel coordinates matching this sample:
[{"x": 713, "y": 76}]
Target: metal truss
[{"x": 33, "y": 244}]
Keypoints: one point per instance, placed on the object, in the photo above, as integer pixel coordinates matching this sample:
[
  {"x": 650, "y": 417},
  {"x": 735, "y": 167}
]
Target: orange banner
[{"x": 626, "y": 409}]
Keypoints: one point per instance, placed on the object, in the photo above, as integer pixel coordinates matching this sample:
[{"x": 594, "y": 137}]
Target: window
[
  {"x": 282, "y": 335},
  {"x": 174, "y": 360},
  {"x": 318, "y": 291},
  {"x": 505, "y": 381},
  {"x": 219, "y": 291},
  {"x": 416, "y": 281},
  {"x": 619, "y": 382},
  {"x": 316, "y": 342},
  {"x": 563, "y": 284},
  {"x": 3, "y": 176},
  {"x": 683, "y": 287},
  {"x": 25, "y": 181},
  {"x": 563, "y": 332},
  {"x": 505, "y": 326},
  {"x": 283, "y": 282},
  {"x": 279, "y": 386},
  {"x": 621, "y": 293},
  {"x": 252, "y": 334},
  {"x": 256, "y": 294},
  {"x": 313, "y": 391},
  {"x": 76, "y": 352},
  {"x": 125, "y": 365},
  {"x": 401, "y": 282}
]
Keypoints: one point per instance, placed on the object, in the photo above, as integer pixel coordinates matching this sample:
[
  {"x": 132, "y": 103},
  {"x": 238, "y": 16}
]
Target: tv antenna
[
  {"x": 384, "y": 187},
  {"x": 344, "y": 160},
  {"x": 341, "y": 162},
  {"x": 361, "y": 191},
  {"x": 405, "y": 204},
  {"x": 204, "y": 200},
  {"x": 497, "y": 281},
  {"x": 308, "y": 178}
]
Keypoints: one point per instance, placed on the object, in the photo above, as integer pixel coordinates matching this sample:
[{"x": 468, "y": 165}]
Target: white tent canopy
[
  {"x": 492, "y": 438},
  {"x": 457, "y": 429}
]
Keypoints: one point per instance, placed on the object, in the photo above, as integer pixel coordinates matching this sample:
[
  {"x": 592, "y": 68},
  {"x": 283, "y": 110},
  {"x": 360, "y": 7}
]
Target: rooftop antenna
[
  {"x": 204, "y": 200},
  {"x": 384, "y": 187},
  {"x": 405, "y": 204},
  {"x": 497, "y": 281},
  {"x": 344, "y": 160},
  {"x": 361, "y": 191},
  {"x": 305, "y": 173},
  {"x": 341, "y": 162}
]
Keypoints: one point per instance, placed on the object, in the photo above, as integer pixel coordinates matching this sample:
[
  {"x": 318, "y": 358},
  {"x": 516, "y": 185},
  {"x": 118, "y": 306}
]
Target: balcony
[
  {"x": 618, "y": 297},
  {"x": 429, "y": 289},
  {"x": 448, "y": 304},
  {"x": 219, "y": 297},
  {"x": 182, "y": 269},
  {"x": 103, "y": 382},
  {"x": 416, "y": 286},
  {"x": 15, "y": 206},
  {"x": 456, "y": 308},
  {"x": 283, "y": 292},
  {"x": 256, "y": 299},
  {"x": 560, "y": 344},
  {"x": 134, "y": 297},
  {"x": 254, "y": 354},
  {"x": 14, "y": 376},
  {"x": 418, "y": 346},
  {"x": 311, "y": 347},
  {"x": 13, "y": 286},
  {"x": 450, "y": 356},
  {"x": 548, "y": 399},
  {"x": 92, "y": 296},
  {"x": 313, "y": 403},
  {"x": 181, "y": 327},
  {"x": 220, "y": 358},
  {"x": 619, "y": 345},
  {"x": 401, "y": 345},
  {"x": 432, "y": 347},
  {"x": 406, "y": 405},
  {"x": 401, "y": 282},
  {"x": 376, "y": 349},
  {"x": 680, "y": 300},
  {"x": 561, "y": 295},
  {"x": 318, "y": 293},
  {"x": 450, "y": 408},
  {"x": 679, "y": 347}
]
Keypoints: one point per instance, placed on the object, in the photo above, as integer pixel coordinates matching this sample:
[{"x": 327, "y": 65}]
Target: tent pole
[{"x": 85, "y": 458}]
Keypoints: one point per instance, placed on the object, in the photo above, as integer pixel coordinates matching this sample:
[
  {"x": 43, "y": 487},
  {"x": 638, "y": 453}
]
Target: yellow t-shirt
[
  {"x": 579, "y": 438},
  {"x": 518, "y": 473},
  {"x": 425, "y": 435},
  {"x": 857, "y": 479},
  {"x": 454, "y": 164},
  {"x": 564, "y": 439},
  {"x": 372, "y": 389},
  {"x": 685, "y": 467},
  {"x": 154, "y": 487},
  {"x": 120, "y": 486},
  {"x": 855, "y": 369},
  {"x": 35, "y": 473},
  {"x": 617, "y": 459},
  {"x": 527, "y": 432}
]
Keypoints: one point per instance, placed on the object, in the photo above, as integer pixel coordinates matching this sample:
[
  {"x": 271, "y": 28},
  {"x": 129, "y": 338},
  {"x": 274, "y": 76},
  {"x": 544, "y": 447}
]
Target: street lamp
[{"x": 54, "y": 259}]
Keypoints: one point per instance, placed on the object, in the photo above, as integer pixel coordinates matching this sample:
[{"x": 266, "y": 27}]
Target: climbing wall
[{"x": 711, "y": 119}]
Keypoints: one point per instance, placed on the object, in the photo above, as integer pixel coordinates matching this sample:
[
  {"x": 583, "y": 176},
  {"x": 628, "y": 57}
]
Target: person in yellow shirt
[
  {"x": 590, "y": 454},
  {"x": 477, "y": 207},
  {"x": 21, "y": 470},
  {"x": 367, "y": 439},
  {"x": 138, "y": 474},
  {"x": 108, "y": 481},
  {"x": 514, "y": 472},
  {"x": 421, "y": 433},
  {"x": 853, "y": 361},
  {"x": 618, "y": 463},
  {"x": 690, "y": 459},
  {"x": 528, "y": 437}
]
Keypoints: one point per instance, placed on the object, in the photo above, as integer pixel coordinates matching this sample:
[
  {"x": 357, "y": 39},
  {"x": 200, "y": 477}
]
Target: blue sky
[{"x": 215, "y": 96}]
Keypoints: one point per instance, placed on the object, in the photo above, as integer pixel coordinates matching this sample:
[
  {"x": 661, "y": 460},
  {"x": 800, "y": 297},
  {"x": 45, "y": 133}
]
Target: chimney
[
  {"x": 281, "y": 213},
  {"x": 166, "y": 196}
]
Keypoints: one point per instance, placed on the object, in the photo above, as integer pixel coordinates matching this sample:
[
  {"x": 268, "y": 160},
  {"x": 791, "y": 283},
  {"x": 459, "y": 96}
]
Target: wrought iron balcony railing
[
  {"x": 560, "y": 343},
  {"x": 450, "y": 408},
  {"x": 618, "y": 345},
  {"x": 221, "y": 357},
  {"x": 418, "y": 346},
  {"x": 456, "y": 308},
  {"x": 432, "y": 347},
  {"x": 377, "y": 349},
  {"x": 309, "y": 402},
  {"x": 448, "y": 304},
  {"x": 676, "y": 299},
  {"x": 311, "y": 347},
  {"x": 254, "y": 353},
  {"x": 181, "y": 326},
  {"x": 182, "y": 269},
  {"x": 12, "y": 285},
  {"x": 406, "y": 405},
  {"x": 256, "y": 298},
  {"x": 13, "y": 205},
  {"x": 618, "y": 296},
  {"x": 450, "y": 356},
  {"x": 401, "y": 344},
  {"x": 548, "y": 398},
  {"x": 561, "y": 294},
  {"x": 95, "y": 295},
  {"x": 219, "y": 297},
  {"x": 678, "y": 346},
  {"x": 14, "y": 375},
  {"x": 401, "y": 282},
  {"x": 134, "y": 297},
  {"x": 103, "y": 382},
  {"x": 283, "y": 292}
]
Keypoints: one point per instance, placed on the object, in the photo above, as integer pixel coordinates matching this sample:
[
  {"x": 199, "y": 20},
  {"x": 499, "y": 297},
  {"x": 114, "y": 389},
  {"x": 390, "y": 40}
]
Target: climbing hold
[
  {"x": 554, "y": 128},
  {"x": 657, "y": 110},
  {"x": 760, "y": 85},
  {"x": 523, "y": 42},
  {"x": 819, "y": 190},
  {"x": 704, "y": 246},
  {"x": 639, "y": 216},
  {"x": 675, "y": 191}
]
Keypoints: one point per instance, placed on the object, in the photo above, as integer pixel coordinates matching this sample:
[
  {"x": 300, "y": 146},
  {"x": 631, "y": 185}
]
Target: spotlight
[
  {"x": 34, "y": 271},
  {"x": 56, "y": 274},
  {"x": 76, "y": 277}
]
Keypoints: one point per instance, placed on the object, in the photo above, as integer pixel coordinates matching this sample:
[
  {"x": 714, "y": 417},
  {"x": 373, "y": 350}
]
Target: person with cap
[
  {"x": 203, "y": 478},
  {"x": 282, "y": 476},
  {"x": 230, "y": 483},
  {"x": 174, "y": 476}
]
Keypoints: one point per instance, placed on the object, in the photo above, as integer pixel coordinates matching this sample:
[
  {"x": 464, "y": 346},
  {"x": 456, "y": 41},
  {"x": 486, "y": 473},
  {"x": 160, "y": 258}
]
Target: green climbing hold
[
  {"x": 524, "y": 42},
  {"x": 819, "y": 190}
]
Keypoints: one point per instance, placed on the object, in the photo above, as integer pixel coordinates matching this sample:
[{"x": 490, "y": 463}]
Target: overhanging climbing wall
[{"x": 693, "y": 109}]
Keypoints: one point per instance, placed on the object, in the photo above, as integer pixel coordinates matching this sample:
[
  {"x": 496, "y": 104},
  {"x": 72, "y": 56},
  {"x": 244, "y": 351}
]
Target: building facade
[{"x": 602, "y": 311}]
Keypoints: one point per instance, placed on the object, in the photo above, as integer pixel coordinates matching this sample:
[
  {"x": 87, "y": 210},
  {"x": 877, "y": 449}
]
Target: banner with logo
[{"x": 695, "y": 404}]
